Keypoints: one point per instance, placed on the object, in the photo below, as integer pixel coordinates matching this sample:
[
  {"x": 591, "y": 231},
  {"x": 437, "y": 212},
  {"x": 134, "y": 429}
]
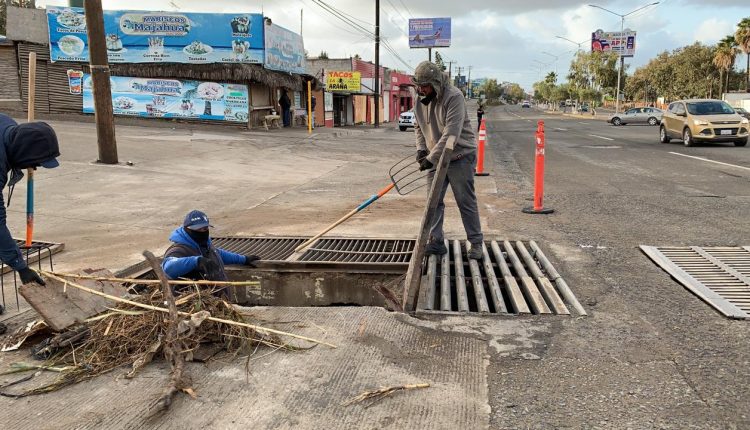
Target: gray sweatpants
[{"x": 461, "y": 179}]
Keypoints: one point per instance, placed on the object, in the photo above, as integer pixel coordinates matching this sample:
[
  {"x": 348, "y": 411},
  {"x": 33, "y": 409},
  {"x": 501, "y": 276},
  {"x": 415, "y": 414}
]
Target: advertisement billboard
[
  {"x": 429, "y": 32},
  {"x": 172, "y": 98},
  {"x": 285, "y": 50},
  {"x": 622, "y": 43},
  {"x": 343, "y": 81},
  {"x": 159, "y": 37}
]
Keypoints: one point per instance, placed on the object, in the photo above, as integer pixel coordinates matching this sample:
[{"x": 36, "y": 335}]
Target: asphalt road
[{"x": 650, "y": 355}]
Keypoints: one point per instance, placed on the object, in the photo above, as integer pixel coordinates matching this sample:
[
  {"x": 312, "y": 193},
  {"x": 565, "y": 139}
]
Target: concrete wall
[{"x": 27, "y": 25}]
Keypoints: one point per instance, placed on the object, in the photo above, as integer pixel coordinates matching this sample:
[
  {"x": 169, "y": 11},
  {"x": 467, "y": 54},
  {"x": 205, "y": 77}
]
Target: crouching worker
[{"x": 192, "y": 256}]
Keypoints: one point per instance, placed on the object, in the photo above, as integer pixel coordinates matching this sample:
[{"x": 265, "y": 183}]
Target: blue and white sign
[
  {"x": 172, "y": 98},
  {"x": 285, "y": 50},
  {"x": 159, "y": 37},
  {"x": 429, "y": 32}
]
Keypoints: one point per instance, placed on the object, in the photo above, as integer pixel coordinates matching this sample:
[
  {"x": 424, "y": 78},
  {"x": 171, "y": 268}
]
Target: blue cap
[
  {"x": 50, "y": 164},
  {"x": 195, "y": 220}
]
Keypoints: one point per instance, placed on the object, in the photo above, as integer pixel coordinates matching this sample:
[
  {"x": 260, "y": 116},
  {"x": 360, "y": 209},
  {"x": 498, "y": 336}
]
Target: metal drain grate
[
  {"x": 360, "y": 251},
  {"x": 718, "y": 275},
  {"x": 511, "y": 278},
  {"x": 267, "y": 248}
]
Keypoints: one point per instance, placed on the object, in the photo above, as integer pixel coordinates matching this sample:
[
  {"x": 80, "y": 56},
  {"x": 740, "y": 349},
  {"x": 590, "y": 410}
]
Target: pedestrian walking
[
  {"x": 442, "y": 113},
  {"x": 480, "y": 114}
]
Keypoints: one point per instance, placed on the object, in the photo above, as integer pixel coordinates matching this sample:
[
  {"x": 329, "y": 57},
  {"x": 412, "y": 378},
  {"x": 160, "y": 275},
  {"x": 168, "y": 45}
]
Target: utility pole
[
  {"x": 377, "y": 63},
  {"x": 300, "y": 22},
  {"x": 105, "y": 121},
  {"x": 450, "y": 63},
  {"x": 459, "y": 76},
  {"x": 468, "y": 89},
  {"x": 429, "y": 55}
]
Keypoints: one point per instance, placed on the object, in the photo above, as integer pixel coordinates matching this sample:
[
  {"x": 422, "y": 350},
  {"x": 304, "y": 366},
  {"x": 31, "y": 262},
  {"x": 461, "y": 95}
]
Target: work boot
[
  {"x": 475, "y": 252},
  {"x": 436, "y": 248}
]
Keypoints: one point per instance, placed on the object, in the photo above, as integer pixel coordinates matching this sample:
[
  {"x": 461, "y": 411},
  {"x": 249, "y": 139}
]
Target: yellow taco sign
[{"x": 343, "y": 81}]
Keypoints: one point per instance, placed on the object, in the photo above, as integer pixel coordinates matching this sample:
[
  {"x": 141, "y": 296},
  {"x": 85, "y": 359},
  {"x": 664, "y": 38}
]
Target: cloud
[{"x": 712, "y": 30}]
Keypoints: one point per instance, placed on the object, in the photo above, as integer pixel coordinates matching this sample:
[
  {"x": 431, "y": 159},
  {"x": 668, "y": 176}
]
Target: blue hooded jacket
[
  {"x": 176, "y": 267},
  {"x": 21, "y": 147}
]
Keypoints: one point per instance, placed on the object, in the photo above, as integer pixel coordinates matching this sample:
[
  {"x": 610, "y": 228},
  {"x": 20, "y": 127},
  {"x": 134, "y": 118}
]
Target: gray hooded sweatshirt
[{"x": 444, "y": 116}]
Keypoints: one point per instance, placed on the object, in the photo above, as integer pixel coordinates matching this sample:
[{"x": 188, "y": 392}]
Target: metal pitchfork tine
[{"x": 402, "y": 180}]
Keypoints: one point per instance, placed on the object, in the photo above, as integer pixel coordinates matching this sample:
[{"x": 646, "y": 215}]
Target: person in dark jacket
[
  {"x": 193, "y": 256},
  {"x": 480, "y": 114},
  {"x": 286, "y": 104},
  {"x": 22, "y": 147},
  {"x": 313, "y": 103}
]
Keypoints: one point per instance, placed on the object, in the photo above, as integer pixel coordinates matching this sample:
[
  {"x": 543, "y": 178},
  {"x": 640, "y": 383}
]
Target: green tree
[
  {"x": 491, "y": 89},
  {"x": 724, "y": 58},
  {"x": 439, "y": 61},
  {"x": 323, "y": 55},
  {"x": 514, "y": 93},
  {"x": 742, "y": 37},
  {"x": 551, "y": 78}
]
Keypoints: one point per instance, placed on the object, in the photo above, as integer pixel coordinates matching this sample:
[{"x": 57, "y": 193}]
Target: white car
[
  {"x": 406, "y": 120},
  {"x": 525, "y": 104}
]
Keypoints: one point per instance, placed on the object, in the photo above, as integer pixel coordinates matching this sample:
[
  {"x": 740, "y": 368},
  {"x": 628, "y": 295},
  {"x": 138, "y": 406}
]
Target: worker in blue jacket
[
  {"x": 24, "y": 146},
  {"x": 193, "y": 256}
]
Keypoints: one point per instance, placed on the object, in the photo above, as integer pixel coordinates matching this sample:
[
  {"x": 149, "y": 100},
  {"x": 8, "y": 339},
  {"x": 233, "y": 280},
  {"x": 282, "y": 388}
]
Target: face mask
[
  {"x": 427, "y": 99},
  {"x": 200, "y": 237}
]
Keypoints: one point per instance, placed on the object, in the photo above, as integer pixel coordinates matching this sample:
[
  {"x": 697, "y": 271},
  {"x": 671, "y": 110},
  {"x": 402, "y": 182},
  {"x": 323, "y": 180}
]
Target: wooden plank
[
  {"x": 727, "y": 268},
  {"x": 463, "y": 299},
  {"x": 533, "y": 296},
  {"x": 517, "y": 301},
  {"x": 545, "y": 286},
  {"x": 494, "y": 286},
  {"x": 476, "y": 281},
  {"x": 445, "y": 280},
  {"x": 63, "y": 307},
  {"x": 413, "y": 274},
  {"x": 707, "y": 295}
]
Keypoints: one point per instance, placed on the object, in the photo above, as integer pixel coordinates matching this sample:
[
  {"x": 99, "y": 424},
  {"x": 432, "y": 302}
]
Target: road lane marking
[
  {"x": 711, "y": 161},
  {"x": 601, "y": 137},
  {"x": 561, "y": 129},
  {"x": 584, "y": 123},
  {"x": 528, "y": 120}
]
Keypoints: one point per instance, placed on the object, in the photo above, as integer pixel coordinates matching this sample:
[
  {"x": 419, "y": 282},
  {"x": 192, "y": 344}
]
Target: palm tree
[
  {"x": 724, "y": 57},
  {"x": 742, "y": 37},
  {"x": 551, "y": 78}
]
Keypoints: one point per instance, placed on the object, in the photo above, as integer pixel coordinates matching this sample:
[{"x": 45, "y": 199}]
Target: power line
[{"x": 406, "y": 8}]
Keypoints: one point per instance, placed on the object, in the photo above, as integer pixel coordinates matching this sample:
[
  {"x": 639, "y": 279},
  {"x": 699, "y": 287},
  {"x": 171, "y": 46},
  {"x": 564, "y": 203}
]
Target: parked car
[
  {"x": 743, "y": 112},
  {"x": 406, "y": 120},
  {"x": 525, "y": 104},
  {"x": 703, "y": 120},
  {"x": 584, "y": 107},
  {"x": 647, "y": 115}
]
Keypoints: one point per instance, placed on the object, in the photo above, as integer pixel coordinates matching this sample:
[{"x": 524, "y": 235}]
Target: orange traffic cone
[{"x": 480, "y": 156}]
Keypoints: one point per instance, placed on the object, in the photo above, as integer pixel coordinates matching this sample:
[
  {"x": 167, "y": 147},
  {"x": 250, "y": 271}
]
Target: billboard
[
  {"x": 622, "y": 43},
  {"x": 159, "y": 37},
  {"x": 285, "y": 50},
  {"x": 172, "y": 98},
  {"x": 429, "y": 32},
  {"x": 344, "y": 81}
]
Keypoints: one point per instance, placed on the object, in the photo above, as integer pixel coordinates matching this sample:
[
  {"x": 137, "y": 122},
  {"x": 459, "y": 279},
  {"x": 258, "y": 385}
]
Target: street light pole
[
  {"x": 619, "y": 51},
  {"x": 555, "y": 57}
]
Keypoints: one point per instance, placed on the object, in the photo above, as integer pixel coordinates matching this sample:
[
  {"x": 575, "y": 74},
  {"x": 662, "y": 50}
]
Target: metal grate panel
[
  {"x": 354, "y": 250},
  {"x": 267, "y": 248},
  {"x": 512, "y": 277},
  {"x": 718, "y": 275}
]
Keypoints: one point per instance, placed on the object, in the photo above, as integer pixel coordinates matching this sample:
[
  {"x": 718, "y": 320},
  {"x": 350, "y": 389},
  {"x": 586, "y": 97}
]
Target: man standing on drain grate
[
  {"x": 193, "y": 256},
  {"x": 24, "y": 146},
  {"x": 442, "y": 112}
]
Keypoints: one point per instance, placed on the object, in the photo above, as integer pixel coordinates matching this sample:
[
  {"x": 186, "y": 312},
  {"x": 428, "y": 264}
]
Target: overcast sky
[{"x": 498, "y": 38}]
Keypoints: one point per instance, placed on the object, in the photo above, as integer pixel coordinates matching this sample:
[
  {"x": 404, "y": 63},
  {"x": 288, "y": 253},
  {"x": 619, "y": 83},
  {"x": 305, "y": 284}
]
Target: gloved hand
[
  {"x": 28, "y": 275},
  {"x": 421, "y": 154},
  {"x": 207, "y": 266},
  {"x": 425, "y": 164},
  {"x": 252, "y": 260}
]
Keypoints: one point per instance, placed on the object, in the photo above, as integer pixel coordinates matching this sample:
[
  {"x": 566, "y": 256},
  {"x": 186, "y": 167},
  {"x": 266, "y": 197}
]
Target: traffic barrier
[
  {"x": 480, "y": 156},
  {"x": 538, "y": 207}
]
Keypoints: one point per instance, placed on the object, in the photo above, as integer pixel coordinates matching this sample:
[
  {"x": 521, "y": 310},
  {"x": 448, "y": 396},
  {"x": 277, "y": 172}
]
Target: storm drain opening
[
  {"x": 513, "y": 278},
  {"x": 720, "y": 276}
]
